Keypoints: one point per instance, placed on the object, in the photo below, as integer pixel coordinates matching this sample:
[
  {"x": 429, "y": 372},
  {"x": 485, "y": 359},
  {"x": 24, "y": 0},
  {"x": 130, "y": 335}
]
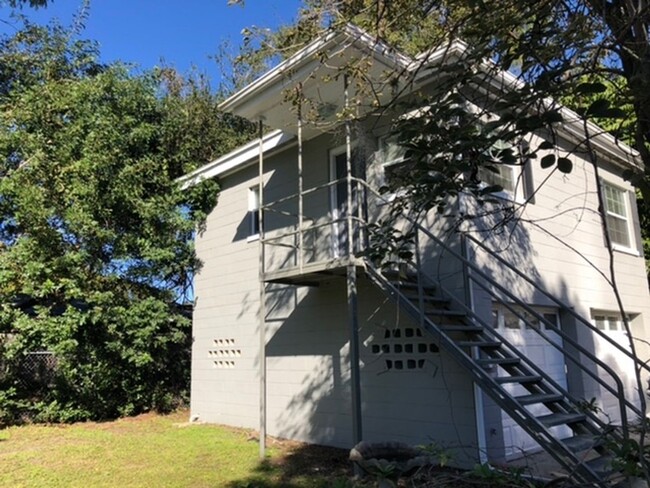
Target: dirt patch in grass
[{"x": 300, "y": 459}]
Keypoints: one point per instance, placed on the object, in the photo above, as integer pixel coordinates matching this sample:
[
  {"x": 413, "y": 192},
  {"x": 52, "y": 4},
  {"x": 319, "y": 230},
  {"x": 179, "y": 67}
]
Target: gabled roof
[{"x": 265, "y": 98}]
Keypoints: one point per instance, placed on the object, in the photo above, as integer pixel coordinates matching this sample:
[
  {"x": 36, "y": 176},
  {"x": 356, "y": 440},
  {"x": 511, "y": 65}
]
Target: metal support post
[
  {"x": 355, "y": 374},
  {"x": 262, "y": 308},
  {"x": 300, "y": 183}
]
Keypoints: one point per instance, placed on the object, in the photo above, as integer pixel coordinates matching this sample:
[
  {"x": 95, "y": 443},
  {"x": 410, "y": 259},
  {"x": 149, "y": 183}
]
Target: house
[{"x": 488, "y": 347}]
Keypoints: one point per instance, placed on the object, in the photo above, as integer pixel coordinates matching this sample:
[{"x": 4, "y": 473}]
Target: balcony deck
[{"x": 312, "y": 274}]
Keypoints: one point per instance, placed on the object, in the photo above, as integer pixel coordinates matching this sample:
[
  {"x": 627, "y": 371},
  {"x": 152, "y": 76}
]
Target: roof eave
[
  {"x": 237, "y": 159},
  {"x": 355, "y": 35}
]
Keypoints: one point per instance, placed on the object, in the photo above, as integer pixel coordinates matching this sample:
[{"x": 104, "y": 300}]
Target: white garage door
[{"x": 546, "y": 357}]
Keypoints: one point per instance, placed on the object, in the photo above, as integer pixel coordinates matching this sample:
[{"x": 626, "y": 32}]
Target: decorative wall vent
[
  {"x": 224, "y": 353},
  {"x": 404, "y": 349}
]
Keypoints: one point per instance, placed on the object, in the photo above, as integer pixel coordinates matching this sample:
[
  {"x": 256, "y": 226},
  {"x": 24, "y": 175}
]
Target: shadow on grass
[{"x": 301, "y": 467}]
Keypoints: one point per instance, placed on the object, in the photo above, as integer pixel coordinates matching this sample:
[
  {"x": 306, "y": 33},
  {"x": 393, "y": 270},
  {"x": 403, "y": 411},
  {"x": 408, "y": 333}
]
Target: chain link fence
[{"x": 37, "y": 369}]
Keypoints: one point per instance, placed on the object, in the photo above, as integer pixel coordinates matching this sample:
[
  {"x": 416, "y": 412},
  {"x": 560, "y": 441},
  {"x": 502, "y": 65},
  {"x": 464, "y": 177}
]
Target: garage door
[{"x": 523, "y": 336}]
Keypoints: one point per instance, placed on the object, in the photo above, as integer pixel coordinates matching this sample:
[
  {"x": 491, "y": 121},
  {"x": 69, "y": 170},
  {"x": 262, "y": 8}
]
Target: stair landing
[{"x": 312, "y": 274}]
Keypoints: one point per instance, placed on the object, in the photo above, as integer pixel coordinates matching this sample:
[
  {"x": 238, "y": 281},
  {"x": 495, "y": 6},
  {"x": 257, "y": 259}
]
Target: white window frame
[
  {"x": 253, "y": 213},
  {"x": 517, "y": 177},
  {"x": 500, "y": 314},
  {"x": 629, "y": 247},
  {"x": 609, "y": 322}
]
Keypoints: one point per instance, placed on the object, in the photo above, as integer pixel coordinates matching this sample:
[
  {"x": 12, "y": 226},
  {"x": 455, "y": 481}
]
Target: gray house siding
[
  {"x": 559, "y": 244},
  {"x": 419, "y": 396},
  {"x": 308, "y": 369}
]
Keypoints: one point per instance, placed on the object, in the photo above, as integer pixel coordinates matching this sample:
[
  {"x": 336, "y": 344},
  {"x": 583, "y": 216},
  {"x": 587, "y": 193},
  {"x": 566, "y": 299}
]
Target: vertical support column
[
  {"x": 479, "y": 404},
  {"x": 353, "y": 313},
  {"x": 355, "y": 373},
  {"x": 300, "y": 183},
  {"x": 262, "y": 308},
  {"x": 348, "y": 164}
]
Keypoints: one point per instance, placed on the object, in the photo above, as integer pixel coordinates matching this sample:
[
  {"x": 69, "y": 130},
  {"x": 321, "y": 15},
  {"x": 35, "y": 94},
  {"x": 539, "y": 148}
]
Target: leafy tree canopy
[{"x": 93, "y": 228}]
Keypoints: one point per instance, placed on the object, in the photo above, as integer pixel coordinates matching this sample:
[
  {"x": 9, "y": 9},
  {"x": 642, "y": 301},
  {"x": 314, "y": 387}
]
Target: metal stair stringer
[{"x": 495, "y": 350}]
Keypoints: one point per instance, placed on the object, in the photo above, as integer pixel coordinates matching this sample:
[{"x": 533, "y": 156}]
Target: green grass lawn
[{"x": 159, "y": 451}]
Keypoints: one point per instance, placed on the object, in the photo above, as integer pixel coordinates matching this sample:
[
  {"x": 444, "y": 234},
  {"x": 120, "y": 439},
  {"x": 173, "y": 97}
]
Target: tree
[{"x": 94, "y": 231}]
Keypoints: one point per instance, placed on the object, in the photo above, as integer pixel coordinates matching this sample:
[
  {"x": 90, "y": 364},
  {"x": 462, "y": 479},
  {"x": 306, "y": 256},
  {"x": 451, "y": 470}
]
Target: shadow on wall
[
  {"x": 567, "y": 278},
  {"x": 307, "y": 336},
  {"x": 308, "y": 374}
]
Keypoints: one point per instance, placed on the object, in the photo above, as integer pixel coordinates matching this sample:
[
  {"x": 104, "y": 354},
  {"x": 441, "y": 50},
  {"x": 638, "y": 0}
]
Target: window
[
  {"x": 617, "y": 215},
  {"x": 504, "y": 317},
  {"x": 500, "y": 174},
  {"x": 609, "y": 321},
  {"x": 253, "y": 212},
  {"x": 396, "y": 166}
]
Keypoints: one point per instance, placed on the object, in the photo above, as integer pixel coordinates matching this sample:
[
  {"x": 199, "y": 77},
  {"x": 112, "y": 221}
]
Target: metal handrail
[
  {"x": 490, "y": 287},
  {"x": 559, "y": 451},
  {"x": 563, "y": 306},
  {"x": 619, "y": 392}
]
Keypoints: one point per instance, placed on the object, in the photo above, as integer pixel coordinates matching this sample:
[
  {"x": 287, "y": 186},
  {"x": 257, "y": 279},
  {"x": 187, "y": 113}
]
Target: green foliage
[
  {"x": 486, "y": 475},
  {"x": 94, "y": 230}
]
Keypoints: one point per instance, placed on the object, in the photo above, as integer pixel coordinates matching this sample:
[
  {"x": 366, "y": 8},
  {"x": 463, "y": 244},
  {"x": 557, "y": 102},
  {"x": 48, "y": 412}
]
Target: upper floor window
[
  {"x": 617, "y": 215},
  {"x": 500, "y": 174},
  {"x": 254, "y": 212},
  {"x": 395, "y": 164}
]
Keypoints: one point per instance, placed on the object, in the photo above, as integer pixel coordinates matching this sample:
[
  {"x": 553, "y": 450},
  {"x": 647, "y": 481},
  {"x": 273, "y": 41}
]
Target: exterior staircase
[{"x": 480, "y": 350}]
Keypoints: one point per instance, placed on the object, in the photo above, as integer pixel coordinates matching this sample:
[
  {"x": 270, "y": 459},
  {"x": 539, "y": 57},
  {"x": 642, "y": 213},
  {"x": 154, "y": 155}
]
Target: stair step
[
  {"x": 554, "y": 419},
  {"x": 482, "y": 344},
  {"x": 425, "y": 297},
  {"x": 444, "y": 313},
  {"x": 518, "y": 379},
  {"x": 461, "y": 328},
  {"x": 602, "y": 465},
  {"x": 408, "y": 286},
  {"x": 498, "y": 361},
  {"x": 579, "y": 443},
  {"x": 539, "y": 398}
]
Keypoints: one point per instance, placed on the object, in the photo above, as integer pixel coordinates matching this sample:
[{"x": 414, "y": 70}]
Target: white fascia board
[
  {"x": 273, "y": 75},
  {"x": 352, "y": 34},
  {"x": 235, "y": 160}
]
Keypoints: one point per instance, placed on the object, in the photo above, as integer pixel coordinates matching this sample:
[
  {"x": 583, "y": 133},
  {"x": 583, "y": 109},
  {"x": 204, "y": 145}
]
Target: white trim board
[{"x": 237, "y": 159}]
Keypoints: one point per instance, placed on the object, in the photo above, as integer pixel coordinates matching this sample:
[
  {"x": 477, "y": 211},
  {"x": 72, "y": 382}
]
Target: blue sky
[{"x": 182, "y": 33}]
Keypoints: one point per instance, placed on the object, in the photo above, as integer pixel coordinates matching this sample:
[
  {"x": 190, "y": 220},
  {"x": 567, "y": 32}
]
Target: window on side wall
[
  {"x": 514, "y": 179},
  {"x": 617, "y": 215},
  {"x": 253, "y": 213},
  {"x": 394, "y": 162},
  {"x": 609, "y": 321}
]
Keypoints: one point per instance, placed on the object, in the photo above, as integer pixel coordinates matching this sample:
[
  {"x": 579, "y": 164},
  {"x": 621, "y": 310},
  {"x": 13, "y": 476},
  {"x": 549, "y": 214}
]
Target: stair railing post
[{"x": 467, "y": 285}]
